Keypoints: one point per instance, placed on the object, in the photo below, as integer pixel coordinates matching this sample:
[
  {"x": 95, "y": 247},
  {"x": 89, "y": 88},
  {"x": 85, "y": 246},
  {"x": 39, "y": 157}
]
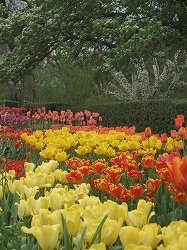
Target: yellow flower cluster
[
  {"x": 54, "y": 144},
  {"x": 46, "y": 198}
]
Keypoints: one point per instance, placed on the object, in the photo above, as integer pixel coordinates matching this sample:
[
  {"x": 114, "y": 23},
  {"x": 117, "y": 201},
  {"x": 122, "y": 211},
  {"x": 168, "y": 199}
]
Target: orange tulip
[
  {"x": 178, "y": 172},
  {"x": 148, "y": 132},
  {"x": 173, "y": 133},
  {"x": 148, "y": 160},
  {"x": 135, "y": 174},
  {"x": 136, "y": 191},
  {"x": 164, "y": 137},
  {"x": 153, "y": 185},
  {"x": 178, "y": 123},
  {"x": 74, "y": 177},
  {"x": 179, "y": 120},
  {"x": 100, "y": 184},
  {"x": 179, "y": 196},
  {"x": 113, "y": 174},
  {"x": 119, "y": 192},
  {"x": 163, "y": 174}
]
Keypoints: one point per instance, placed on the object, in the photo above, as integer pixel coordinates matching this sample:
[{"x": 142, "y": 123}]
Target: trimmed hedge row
[{"x": 158, "y": 114}]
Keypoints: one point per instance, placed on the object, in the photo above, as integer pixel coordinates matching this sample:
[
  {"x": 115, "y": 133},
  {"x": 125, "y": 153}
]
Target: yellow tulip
[
  {"x": 138, "y": 247},
  {"x": 82, "y": 141},
  {"x": 173, "y": 231},
  {"x": 10, "y": 175},
  {"x": 100, "y": 150},
  {"x": 89, "y": 201},
  {"x": 169, "y": 247},
  {"x": 114, "y": 143},
  {"x": 129, "y": 235},
  {"x": 82, "y": 190},
  {"x": 34, "y": 206},
  {"x": 114, "y": 211},
  {"x": 92, "y": 142},
  {"x": 29, "y": 166},
  {"x": 134, "y": 145},
  {"x": 42, "y": 180},
  {"x": 72, "y": 217},
  {"x": 39, "y": 145},
  {"x": 45, "y": 217},
  {"x": 28, "y": 191},
  {"x": 50, "y": 151},
  {"x": 136, "y": 218},
  {"x": 182, "y": 241},
  {"x": 24, "y": 136},
  {"x": 47, "y": 236},
  {"x": 83, "y": 150},
  {"x": 1, "y": 192},
  {"x": 100, "y": 246},
  {"x": 145, "y": 206},
  {"x": 47, "y": 167},
  {"x": 32, "y": 140},
  {"x": 151, "y": 235},
  {"x": 47, "y": 153},
  {"x": 50, "y": 180},
  {"x": 61, "y": 156},
  {"x": 110, "y": 231},
  {"x": 22, "y": 209},
  {"x": 15, "y": 186},
  {"x": 60, "y": 175},
  {"x": 169, "y": 147},
  {"x": 38, "y": 134},
  {"x": 55, "y": 201},
  {"x": 62, "y": 142},
  {"x": 109, "y": 151},
  {"x": 123, "y": 146},
  {"x": 158, "y": 145}
]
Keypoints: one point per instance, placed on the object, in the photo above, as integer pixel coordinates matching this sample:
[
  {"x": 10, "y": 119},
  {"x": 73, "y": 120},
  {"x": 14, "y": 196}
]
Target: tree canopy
[{"x": 115, "y": 31}]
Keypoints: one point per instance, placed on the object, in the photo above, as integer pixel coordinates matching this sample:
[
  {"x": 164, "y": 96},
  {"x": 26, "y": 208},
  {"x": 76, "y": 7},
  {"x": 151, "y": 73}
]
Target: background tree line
[{"x": 78, "y": 52}]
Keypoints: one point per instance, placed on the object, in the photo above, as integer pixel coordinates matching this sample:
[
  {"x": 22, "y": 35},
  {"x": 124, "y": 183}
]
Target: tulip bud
[
  {"x": 164, "y": 137},
  {"x": 148, "y": 132}
]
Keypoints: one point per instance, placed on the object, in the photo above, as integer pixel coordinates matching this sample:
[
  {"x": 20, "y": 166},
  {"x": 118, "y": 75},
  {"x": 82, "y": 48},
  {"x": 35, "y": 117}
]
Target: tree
[
  {"x": 114, "y": 30},
  {"x": 61, "y": 81},
  {"x": 16, "y": 89},
  {"x": 144, "y": 85}
]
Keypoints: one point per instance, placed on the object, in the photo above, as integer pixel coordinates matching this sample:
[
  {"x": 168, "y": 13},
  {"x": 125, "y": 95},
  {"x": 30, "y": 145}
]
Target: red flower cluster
[{"x": 16, "y": 165}]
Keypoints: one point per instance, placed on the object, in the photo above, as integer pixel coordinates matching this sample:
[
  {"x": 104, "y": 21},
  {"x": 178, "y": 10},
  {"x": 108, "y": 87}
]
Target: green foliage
[
  {"x": 115, "y": 31},
  {"x": 158, "y": 114},
  {"x": 9, "y": 103},
  {"x": 64, "y": 82},
  {"x": 4, "y": 96}
]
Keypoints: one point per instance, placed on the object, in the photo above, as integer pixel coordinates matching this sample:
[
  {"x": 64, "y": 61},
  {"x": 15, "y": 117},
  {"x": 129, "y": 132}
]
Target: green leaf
[
  {"x": 67, "y": 244},
  {"x": 98, "y": 231},
  {"x": 79, "y": 247}
]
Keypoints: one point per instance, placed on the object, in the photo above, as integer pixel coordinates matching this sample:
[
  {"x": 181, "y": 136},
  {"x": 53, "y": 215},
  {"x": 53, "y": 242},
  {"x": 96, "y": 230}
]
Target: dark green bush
[
  {"x": 9, "y": 103},
  {"x": 158, "y": 114}
]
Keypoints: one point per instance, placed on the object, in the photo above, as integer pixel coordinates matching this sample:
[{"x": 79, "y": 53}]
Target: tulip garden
[{"x": 67, "y": 182}]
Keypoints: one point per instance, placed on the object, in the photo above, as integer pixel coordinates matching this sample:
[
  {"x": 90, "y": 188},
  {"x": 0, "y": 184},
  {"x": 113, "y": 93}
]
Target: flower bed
[{"x": 91, "y": 187}]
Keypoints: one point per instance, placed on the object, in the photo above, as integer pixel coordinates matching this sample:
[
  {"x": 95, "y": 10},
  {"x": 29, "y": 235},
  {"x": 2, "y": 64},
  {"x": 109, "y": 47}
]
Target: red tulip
[
  {"x": 179, "y": 120},
  {"x": 136, "y": 191},
  {"x": 178, "y": 172},
  {"x": 178, "y": 123},
  {"x": 119, "y": 191},
  {"x": 74, "y": 177},
  {"x": 100, "y": 184},
  {"x": 179, "y": 196},
  {"x": 164, "y": 137},
  {"x": 153, "y": 185},
  {"x": 135, "y": 174},
  {"x": 148, "y": 132}
]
